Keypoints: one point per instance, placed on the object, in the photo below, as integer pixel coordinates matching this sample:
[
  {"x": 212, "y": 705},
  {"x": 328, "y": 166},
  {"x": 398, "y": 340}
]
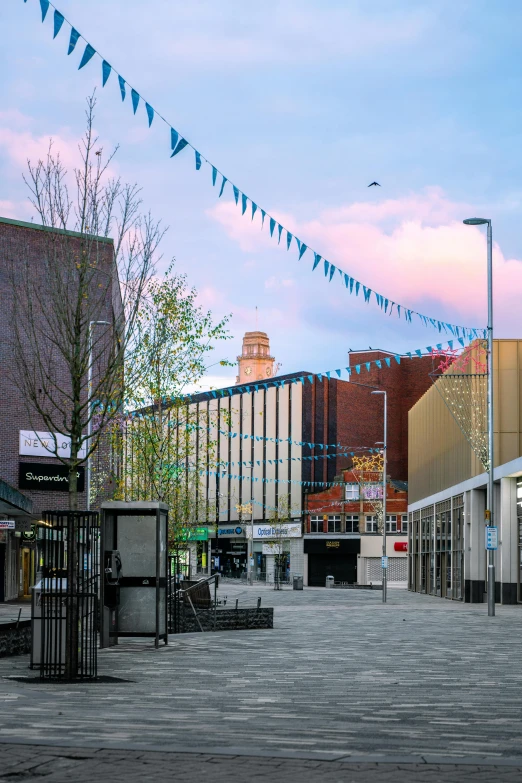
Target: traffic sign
[
  {"x": 384, "y": 562},
  {"x": 491, "y": 537}
]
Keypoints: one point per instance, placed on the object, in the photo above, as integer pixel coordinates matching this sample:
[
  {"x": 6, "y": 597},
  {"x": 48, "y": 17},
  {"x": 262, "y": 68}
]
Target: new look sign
[
  {"x": 47, "y": 478},
  {"x": 46, "y": 444}
]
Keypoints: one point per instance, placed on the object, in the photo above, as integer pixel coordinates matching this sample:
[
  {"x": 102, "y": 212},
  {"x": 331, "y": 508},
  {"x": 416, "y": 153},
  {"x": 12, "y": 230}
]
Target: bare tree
[{"x": 75, "y": 322}]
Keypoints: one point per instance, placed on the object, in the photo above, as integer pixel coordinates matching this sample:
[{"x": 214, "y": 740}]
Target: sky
[{"x": 301, "y": 105}]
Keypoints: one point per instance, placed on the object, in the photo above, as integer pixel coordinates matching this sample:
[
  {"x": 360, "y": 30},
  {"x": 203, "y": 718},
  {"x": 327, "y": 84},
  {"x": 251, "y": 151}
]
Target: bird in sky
[{"x": 374, "y": 183}]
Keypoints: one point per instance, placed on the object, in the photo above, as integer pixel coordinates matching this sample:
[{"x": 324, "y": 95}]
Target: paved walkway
[{"x": 342, "y": 681}]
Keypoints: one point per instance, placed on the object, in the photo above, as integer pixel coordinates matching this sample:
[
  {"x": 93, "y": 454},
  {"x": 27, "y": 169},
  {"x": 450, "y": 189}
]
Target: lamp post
[
  {"x": 89, "y": 422},
  {"x": 384, "y": 445},
  {"x": 490, "y": 496}
]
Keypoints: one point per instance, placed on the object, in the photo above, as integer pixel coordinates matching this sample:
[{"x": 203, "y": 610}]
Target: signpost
[{"x": 491, "y": 537}]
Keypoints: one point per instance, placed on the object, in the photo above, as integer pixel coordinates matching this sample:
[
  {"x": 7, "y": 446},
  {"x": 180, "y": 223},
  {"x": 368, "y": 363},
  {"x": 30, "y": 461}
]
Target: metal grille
[
  {"x": 397, "y": 569},
  {"x": 65, "y": 601}
]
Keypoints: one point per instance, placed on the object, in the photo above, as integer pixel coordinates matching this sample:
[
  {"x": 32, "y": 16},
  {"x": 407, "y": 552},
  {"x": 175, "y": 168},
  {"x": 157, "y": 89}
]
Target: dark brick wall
[
  {"x": 226, "y": 619},
  {"x": 29, "y": 244}
]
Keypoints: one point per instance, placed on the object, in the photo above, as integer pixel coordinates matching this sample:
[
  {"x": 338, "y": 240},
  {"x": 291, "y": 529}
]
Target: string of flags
[
  {"x": 221, "y": 464},
  {"x": 356, "y": 369},
  {"x": 178, "y": 143},
  {"x": 262, "y": 480}
]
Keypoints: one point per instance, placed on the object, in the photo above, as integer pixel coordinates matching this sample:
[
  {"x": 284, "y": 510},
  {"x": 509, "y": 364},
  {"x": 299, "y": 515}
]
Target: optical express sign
[{"x": 281, "y": 531}]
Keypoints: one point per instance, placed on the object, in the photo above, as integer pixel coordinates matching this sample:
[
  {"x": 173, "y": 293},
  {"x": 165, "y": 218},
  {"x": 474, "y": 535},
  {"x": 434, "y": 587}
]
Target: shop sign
[
  {"x": 384, "y": 561},
  {"x": 195, "y": 534},
  {"x": 47, "y": 478},
  {"x": 287, "y": 530},
  {"x": 7, "y": 524},
  {"x": 332, "y": 546},
  {"x": 272, "y": 548},
  {"x": 230, "y": 532},
  {"x": 400, "y": 546},
  {"x": 47, "y": 444}
]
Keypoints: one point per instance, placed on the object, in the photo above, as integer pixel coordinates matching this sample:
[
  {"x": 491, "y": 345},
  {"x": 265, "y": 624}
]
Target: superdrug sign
[{"x": 47, "y": 478}]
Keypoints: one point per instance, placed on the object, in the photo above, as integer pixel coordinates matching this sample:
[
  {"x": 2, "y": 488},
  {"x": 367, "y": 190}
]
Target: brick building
[
  {"x": 342, "y": 537},
  {"x": 24, "y": 245}
]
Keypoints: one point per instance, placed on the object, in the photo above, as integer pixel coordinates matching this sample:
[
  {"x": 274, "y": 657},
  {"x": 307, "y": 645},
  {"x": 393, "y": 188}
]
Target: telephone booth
[{"x": 133, "y": 592}]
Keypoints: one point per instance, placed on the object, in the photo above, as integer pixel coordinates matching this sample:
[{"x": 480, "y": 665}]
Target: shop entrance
[
  {"x": 343, "y": 568},
  {"x": 229, "y": 557}
]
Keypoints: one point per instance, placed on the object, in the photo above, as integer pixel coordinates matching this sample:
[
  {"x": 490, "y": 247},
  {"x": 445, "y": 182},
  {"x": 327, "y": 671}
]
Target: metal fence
[{"x": 65, "y": 599}]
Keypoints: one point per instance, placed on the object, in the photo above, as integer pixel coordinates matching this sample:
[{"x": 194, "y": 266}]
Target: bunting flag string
[
  {"x": 261, "y": 480},
  {"x": 355, "y": 370},
  {"x": 179, "y": 143}
]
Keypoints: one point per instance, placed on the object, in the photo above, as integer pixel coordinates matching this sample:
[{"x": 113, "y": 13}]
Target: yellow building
[{"x": 447, "y": 481}]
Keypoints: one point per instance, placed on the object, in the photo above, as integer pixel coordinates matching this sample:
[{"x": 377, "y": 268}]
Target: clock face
[
  {"x": 268, "y": 371},
  {"x": 248, "y": 370}
]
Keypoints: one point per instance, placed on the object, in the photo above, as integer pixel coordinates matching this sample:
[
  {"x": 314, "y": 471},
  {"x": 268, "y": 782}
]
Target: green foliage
[{"x": 170, "y": 442}]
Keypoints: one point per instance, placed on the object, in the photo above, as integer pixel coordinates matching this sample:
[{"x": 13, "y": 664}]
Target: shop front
[
  {"x": 277, "y": 550},
  {"x": 229, "y": 551},
  {"x": 335, "y": 557}
]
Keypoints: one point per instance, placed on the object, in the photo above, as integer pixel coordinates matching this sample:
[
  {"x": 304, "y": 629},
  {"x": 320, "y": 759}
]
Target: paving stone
[{"x": 340, "y": 676}]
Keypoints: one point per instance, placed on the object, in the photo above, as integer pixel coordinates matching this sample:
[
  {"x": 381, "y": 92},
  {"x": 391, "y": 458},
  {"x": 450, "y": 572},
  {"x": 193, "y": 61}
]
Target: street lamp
[
  {"x": 384, "y": 556},
  {"x": 490, "y": 497},
  {"x": 89, "y": 422}
]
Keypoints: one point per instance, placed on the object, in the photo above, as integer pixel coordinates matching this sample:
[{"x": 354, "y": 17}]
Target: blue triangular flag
[
  {"x": 214, "y": 175},
  {"x": 332, "y": 270},
  {"x": 272, "y": 226},
  {"x": 121, "y": 82},
  {"x": 87, "y": 55},
  {"x": 73, "y": 40},
  {"x": 224, "y": 182},
  {"x": 397, "y": 358},
  {"x": 279, "y": 230},
  {"x": 244, "y": 200},
  {"x": 174, "y": 136},
  {"x": 58, "y": 21},
  {"x": 326, "y": 267},
  {"x": 198, "y": 160},
  {"x": 348, "y": 370},
  {"x": 288, "y": 240},
  {"x": 182, "y": 143},
  {"x": 317, "y": 259},
  {"x": 150, "y": 113},
  {"x": 44, "y": 5},
  {"x": 387, "y": 360},
  {"x": 328, "y": 374},
  {"x": 311, "y": 379},
  {"x": 254, "y": 208},
  {"x": 263, "y": 215},
  {"x": 338, "y": 373},
  {"x": 358, "y": 368},
  {"x": 236, "y": 193},
  {"x": 378, "y": 363},
  {"x": 106, "y": 72},
  {"x": 368, "y": 366},
  {"x": 302, "y": 250}
]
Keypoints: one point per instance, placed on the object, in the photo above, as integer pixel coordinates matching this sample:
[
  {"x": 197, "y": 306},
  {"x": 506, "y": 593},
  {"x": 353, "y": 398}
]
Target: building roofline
[{"x": 38, "y": 227}]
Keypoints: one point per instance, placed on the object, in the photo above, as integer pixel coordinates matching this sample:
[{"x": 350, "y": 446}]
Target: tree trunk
[{"x": 71, "y": 623}]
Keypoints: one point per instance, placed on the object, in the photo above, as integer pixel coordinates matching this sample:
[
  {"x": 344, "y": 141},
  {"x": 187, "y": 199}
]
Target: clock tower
[{"x": 255, "y": 362}]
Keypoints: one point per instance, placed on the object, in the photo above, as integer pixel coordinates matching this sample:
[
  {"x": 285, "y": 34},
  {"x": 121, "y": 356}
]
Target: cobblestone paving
[
  {"x": 63, "y": 764},
  {"x": 340, "y": 676}
]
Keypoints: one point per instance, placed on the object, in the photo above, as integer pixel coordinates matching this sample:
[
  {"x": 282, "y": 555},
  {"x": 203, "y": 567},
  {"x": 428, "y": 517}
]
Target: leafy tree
[{"x": 167, "y": 441}]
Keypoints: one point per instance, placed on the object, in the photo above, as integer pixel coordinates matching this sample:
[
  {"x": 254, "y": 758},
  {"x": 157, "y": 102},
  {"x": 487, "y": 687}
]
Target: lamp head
[
  {"x": 378, "y": 392},
  {"x": 476, "y": 221}
]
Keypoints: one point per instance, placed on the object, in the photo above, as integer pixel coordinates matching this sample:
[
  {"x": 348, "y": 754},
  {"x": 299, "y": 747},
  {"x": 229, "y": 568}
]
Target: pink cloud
[{"x": 414, "y": 250}]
